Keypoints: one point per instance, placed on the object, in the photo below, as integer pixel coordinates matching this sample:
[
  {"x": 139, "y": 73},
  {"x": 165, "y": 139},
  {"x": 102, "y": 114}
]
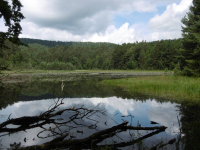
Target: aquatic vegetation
[{"x": 169, "y": 87}]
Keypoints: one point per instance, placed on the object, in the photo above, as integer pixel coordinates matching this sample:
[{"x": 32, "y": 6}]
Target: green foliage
[
  {"x": 153, "y": 55},
  {"x": 66, "y": 44},
  {"x": 142, "y": 59},
  {"x": 12, "y": 16},
  {"x": 106, "y": 65},
  {"x": 3, "y": 64},
  {"x": 55, "y": 65},
  {"x": 166, "y": 70},
  {"x": 147, "y": 59},
  {"x": 147, "y": 56},
  {"x": 131, "y": 64},
  {"x": 177, "y": 70},
  {"x": 12, "y": 57},
  {"x": 120, "y": 56},
  {"x": 191, "y": 41}
]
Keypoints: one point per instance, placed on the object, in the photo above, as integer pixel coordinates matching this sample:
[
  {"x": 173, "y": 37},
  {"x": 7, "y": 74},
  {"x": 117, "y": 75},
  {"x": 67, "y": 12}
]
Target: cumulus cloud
[
  {"x": 124, "y": 34},
  {"x": 79, "y": 17},
  {"x": 165, "y": 114},
  {"x": 92, "y": 20},
  {"x": 168, "y": 24},
  {"x": 113, "y": 104},
  {"x": 32, "y": 30}
]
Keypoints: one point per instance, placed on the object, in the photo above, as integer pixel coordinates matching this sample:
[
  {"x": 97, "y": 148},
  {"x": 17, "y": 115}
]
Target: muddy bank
[{"x": 76, "y": 76}]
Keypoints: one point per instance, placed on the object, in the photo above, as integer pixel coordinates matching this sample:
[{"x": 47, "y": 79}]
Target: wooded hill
[
  {"x": 43, "y": 54},
  {"x": 49, "y": 43}
]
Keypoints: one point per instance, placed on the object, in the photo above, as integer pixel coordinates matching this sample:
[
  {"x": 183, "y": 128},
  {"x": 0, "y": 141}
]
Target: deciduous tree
[{"x": 12, "y": 16}]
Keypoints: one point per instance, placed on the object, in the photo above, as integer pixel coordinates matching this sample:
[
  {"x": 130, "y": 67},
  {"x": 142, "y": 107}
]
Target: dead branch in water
[
  {"x": 75, "y": 120},
  {"x": 94, "y": 139},
  {"x": 48, "y": 117}
]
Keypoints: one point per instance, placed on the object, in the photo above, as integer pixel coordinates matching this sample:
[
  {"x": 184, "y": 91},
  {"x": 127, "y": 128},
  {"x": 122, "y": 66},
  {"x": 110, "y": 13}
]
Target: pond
[{"x": 110, "y": 107}]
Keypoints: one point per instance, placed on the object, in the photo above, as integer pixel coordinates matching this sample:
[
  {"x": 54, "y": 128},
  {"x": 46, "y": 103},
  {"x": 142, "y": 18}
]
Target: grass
[{"x": 169, "y": 87}]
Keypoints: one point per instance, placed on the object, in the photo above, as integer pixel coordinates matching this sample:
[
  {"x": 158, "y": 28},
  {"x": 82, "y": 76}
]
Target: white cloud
[
  {"x": 31, "y": 30},
  {"x": 113, "y": 103},
  {"x": 92, "y": 20},
  {"x": 168, "y": 24},
  {"x": 166, "y": 115},
  {"x": 79, "y": 17},
  {"x": 124, "y": 34},
  {"x": 80, "y": 21}
]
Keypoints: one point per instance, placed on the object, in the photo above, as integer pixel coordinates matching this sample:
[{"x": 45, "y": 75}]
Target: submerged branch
[
  {"x": 98, "y": 137},
  {"x": 48, "y": 117},
  {"x": 76, "y": 119}
]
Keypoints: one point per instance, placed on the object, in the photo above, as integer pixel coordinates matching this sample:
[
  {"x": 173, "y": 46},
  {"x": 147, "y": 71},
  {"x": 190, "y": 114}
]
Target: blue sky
[
  {"x": 113, "y": 21},
  {"x": 136, "y": 17}
]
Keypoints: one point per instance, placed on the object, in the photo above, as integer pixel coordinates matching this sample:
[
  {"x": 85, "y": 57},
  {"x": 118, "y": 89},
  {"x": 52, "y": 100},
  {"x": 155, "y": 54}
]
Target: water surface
[{"x": 31, "y": 99}]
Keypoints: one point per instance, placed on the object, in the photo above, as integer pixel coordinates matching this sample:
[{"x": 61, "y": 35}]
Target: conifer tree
[{"x": 191, "y": 41}]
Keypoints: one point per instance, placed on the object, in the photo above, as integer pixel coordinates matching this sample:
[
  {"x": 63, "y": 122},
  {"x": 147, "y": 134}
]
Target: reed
[{"x": 169, "y": 87}]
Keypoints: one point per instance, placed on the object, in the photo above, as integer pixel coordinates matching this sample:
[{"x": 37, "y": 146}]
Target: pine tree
[{"x": 191, "y": 41}]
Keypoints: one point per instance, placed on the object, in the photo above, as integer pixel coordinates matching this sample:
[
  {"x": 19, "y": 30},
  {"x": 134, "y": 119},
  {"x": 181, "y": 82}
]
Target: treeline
[
  {"x": 49, "y": 43},
  {"x": 157, "y": 55}
]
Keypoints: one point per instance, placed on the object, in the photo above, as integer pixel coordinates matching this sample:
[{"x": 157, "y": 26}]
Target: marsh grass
[{"x": 169, "y": 87}]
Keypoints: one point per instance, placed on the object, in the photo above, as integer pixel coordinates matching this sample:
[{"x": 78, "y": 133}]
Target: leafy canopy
[{"x": 12, "y": 16}]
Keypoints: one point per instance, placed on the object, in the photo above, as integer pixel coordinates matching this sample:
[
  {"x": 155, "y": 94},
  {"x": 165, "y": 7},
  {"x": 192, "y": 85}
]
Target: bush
[
  {"x": 69, "y": 66},
  {"x": 55, "y": 65},
  {"x": 3, "y": 64},
  {"x": 166, "y": 70},
  {"x": 177, "y": 70}
]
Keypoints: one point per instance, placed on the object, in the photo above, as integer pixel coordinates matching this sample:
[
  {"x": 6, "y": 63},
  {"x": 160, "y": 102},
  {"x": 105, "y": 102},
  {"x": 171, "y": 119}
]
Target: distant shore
[{"x": 21, "y": 76}]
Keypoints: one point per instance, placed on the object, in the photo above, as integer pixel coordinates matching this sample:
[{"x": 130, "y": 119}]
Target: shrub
[{"x": 56, "y": 65}]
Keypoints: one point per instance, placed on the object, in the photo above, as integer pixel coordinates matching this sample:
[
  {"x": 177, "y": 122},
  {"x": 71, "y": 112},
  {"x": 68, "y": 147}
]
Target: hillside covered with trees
[
  {"x": 183, "y": 54},
  {"x": 49, "y": 43},
  {"x": 42, "y": 54}
]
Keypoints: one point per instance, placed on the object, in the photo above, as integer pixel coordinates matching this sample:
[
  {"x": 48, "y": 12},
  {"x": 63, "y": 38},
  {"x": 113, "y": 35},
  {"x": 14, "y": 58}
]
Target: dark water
[{"x": 30, "y": 99}]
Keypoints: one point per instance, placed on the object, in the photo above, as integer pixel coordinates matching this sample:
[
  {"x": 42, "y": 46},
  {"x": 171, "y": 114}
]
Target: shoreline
[{"x": 78, "y": 75}]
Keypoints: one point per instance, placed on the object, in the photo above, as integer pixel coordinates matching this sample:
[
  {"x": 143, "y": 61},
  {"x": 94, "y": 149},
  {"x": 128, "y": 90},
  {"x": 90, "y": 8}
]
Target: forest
[
  {"x": 182, "y": 54},
  {"x": 55, "y": 55}
]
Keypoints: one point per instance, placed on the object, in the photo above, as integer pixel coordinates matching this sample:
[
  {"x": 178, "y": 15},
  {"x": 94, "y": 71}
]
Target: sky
[{"x": 115, "y": 21}]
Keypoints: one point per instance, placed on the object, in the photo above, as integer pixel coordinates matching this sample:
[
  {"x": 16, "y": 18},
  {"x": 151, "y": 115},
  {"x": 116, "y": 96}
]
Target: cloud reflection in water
[{"x": 163, "y": 113}]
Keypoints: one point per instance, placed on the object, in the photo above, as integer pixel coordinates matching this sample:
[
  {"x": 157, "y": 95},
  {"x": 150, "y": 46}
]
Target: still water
[{"x": 31, "y": 99}]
